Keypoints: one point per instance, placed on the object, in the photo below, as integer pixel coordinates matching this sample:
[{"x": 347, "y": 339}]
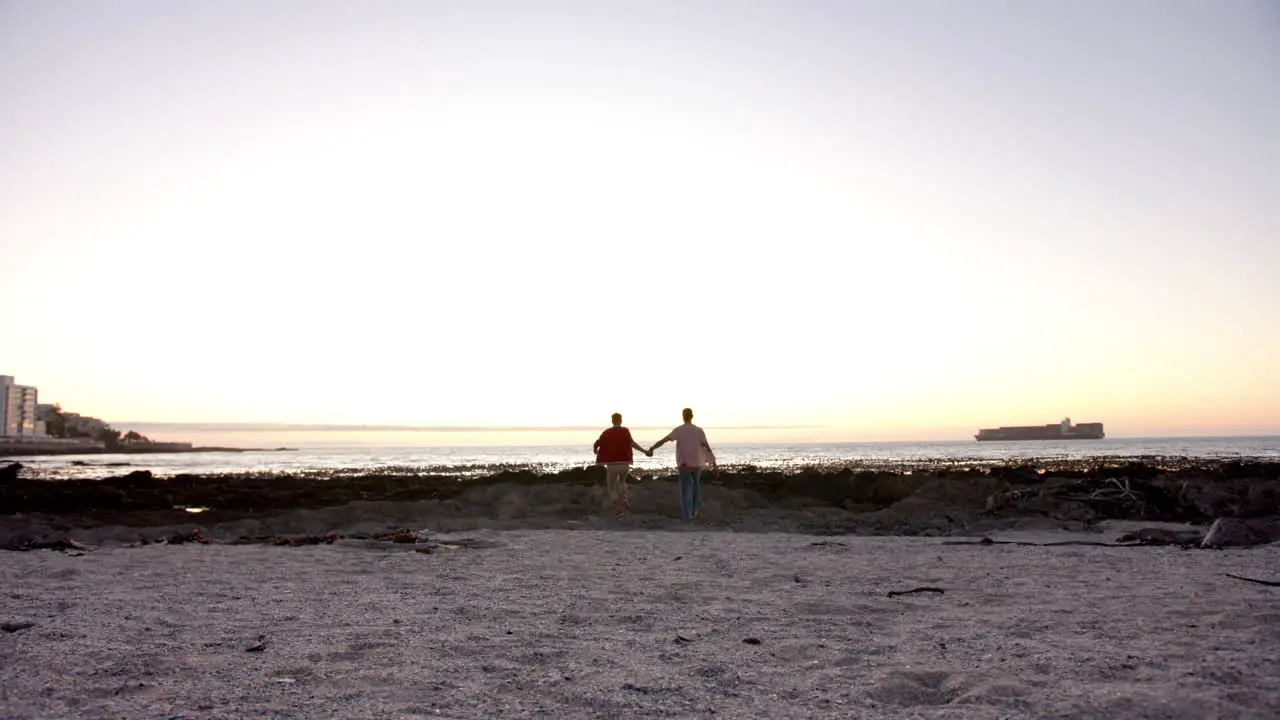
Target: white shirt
[{"x": 689, "y": 441}]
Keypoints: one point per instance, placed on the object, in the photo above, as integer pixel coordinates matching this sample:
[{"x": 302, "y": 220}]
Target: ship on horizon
[{"x": 1062, "y": 431}]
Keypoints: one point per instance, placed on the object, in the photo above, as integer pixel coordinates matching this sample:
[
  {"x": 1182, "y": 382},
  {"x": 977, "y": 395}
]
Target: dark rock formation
[
  {"x": 1242, "y": 532},
  {"x": 1161, "y": 536},
  {"x": 935, "y": 501}
]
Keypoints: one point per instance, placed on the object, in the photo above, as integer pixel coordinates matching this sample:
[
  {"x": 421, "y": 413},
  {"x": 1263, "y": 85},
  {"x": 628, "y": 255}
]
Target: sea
[{"x": 321, "y": 460}]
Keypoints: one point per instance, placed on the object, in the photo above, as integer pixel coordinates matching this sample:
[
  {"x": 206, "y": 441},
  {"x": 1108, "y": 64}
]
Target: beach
[
  {"x": 517, "y": 594},
  {"x": 639, "y": 359},
  {"x": 615, "y": 623}
]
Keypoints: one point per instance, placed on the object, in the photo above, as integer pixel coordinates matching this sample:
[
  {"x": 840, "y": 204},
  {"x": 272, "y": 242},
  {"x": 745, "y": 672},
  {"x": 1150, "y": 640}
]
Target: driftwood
[
  {"x": 989, "y": 541},
  {"x": 1225, "y": 532},
  {"x": 896, "y": 593},
  {"x": 1268, "y": 583}
]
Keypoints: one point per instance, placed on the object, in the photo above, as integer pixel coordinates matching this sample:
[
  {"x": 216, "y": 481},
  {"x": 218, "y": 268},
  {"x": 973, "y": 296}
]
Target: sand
[{"x": 642, "y": 623}]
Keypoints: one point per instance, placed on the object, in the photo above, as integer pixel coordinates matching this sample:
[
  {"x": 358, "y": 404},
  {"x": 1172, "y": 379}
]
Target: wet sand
[{"x": 558, "y": 623}]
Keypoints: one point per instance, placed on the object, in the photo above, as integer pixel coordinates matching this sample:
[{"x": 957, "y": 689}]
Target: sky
[{"x": 858, "y": 220}]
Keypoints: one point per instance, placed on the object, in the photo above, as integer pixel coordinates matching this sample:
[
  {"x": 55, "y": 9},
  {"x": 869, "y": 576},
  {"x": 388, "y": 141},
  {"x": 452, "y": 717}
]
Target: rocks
[
  {"x": 1018, "y": 474},
  {"x": 1249, "y": 470},
  {"x": 403, "y": 536},
  {"x": 12, "y": 627},
  {"x": 1161, "y": 536},
  {"x": 301, "y": 540},
  {"x": 1242, "y": 532},
  {"x": 842, "y": 488},
  {"x": 938, "y": 501},
  {"x": 67, "y": 545},
  {"x": 195, "y": 536},
  {"x": 137, "y": 478},
  {"x": 1099, "y": 496},
  {"x": 9, "y": 473},
  {"x": 1216, "y": 496}
]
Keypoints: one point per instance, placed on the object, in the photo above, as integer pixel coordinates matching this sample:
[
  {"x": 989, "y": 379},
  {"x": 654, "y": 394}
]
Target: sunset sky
[{"x": 890, "y": 220}]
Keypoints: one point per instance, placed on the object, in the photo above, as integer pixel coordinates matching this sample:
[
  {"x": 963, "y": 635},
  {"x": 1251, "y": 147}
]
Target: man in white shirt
[{"x": 691, "y": 442}]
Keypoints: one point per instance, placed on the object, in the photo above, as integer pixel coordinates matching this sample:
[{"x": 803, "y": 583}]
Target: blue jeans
[{"x": 690, "y": 485}]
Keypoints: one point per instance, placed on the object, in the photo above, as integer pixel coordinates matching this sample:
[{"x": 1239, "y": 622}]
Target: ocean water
[{"x": 479, "y": 460}]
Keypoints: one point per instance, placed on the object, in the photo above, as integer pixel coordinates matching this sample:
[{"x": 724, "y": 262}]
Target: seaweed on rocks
[
  {"x": 835, "y": 499},
  {"x": 9, "y": 473}
]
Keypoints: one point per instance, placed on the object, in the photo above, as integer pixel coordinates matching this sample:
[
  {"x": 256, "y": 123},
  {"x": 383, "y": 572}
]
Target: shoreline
[
  {"x": 18, "y": 451},
  {"x": 846, "y": 501}
]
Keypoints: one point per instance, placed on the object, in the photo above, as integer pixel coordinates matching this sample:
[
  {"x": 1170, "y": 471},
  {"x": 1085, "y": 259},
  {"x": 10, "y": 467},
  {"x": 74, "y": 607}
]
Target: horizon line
[{"x": 260, "y": 427}]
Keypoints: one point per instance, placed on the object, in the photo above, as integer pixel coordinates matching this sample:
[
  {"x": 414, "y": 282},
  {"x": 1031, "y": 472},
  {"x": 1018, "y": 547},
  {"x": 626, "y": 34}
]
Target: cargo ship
[{"x": 1062, "y": 431}]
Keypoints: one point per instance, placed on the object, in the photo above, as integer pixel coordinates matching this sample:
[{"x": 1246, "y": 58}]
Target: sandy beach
[
  {"x": 782, "y": 360},
  {"x": 562, "y": 623}
]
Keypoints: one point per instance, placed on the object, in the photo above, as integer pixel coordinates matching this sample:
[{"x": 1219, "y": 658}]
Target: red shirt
[{"x": 614, "y": 445}]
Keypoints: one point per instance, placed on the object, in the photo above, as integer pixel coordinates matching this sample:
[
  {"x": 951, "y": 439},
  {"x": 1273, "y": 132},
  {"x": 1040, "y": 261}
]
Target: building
[
  {"x": 50, "y": 419},
  {"x": 18, "y": 409},
  {"x": 46, "y": 413},
  {"x": 78, "y": 425}
]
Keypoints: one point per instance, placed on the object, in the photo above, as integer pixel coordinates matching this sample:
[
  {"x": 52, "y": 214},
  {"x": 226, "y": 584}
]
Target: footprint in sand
[
  {"x": 910, "y": 688},
  {"x": 914, "y": 688}
]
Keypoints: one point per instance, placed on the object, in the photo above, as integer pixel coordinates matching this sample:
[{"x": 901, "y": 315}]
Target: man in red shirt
[{"x": 613, "y": 450}]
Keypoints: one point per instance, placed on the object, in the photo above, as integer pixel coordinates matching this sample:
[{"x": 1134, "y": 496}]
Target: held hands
[{"x": 649, "y": 452}]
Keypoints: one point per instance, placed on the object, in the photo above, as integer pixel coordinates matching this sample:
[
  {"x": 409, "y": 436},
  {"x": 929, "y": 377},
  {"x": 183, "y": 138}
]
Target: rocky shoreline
[
  {"x": 19, "y": 451},
  {"x": 827, "y": 501}
]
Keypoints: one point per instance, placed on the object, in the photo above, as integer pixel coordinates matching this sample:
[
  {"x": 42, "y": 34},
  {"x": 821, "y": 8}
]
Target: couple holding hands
[{"x": 613, "y": 450}]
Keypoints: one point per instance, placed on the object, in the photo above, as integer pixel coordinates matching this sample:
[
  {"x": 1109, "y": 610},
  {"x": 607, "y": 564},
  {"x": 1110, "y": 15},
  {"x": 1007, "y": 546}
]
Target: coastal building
[
  {"x": 18, "y": 409},
  {"x": 78, "y": 425}
]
